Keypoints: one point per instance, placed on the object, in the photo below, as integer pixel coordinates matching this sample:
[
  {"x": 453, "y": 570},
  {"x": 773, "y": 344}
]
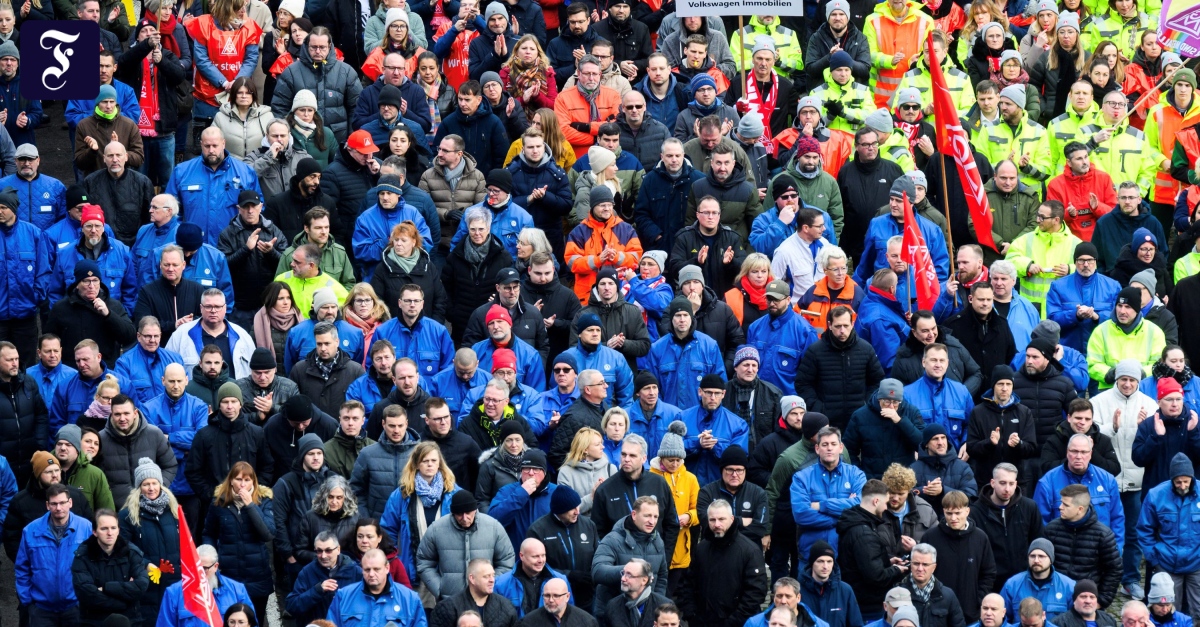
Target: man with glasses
[
  {"x": 235, "y": 343},
  {"x": 782, "y": 336},
  {"x": 459, "y": 451},
  {"x": 1115, "y": 229},
  {"x": 527, "y": 321},
  {"x": 115, "y": 264},
  {"x": 937, "y": 604},
  {"x": 711, "y": 429},
  {"x": 748, "y": 500},
  {"x": 395, "y": 74},
  {"x": 795, "y": 258},
  {"x": 587, "y": 411},
  {"x": 583, "y": 108},
  {"x": 574, "y": 40},
  {"x": 1042, "y": 256},
  {"x": 716, "y": 248},
  {"x": 1127, "y": 335},
  {"x": 319, "y": 581},
  {"x": 641, "y": 136},
  {"x": 143, "y": 366},
  {"x": 339, "y": 87},
  {"x": 454, "y": 186},
  {"x": 416, "y": 336},
  {"x": 865, "y": 184},
  {"x": 1122, "y": 150},
  {"x": 1082, "y": 300},
  {"x": 43, "y": 562},
  {"x": 612, "y": 75},
  {"x": 556, "y": 610}
]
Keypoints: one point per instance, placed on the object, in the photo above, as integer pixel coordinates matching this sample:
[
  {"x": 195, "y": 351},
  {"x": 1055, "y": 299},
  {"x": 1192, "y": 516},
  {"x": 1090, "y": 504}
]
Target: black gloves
[
  {"x": 454, "y": 217},
  {"x": 834, "y": 108},
  {"x": 1111, "y": 377},
  {"x": 582, "y": 127}
]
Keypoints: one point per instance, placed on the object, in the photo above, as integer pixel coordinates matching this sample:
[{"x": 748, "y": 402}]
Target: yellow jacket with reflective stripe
[
  {"x": 1046, "y": 250},
  {"x": 1107, "y": 25},
  {"x": 1125, "y": 156},
  {"x": 896, "y": 150},
  {"x": 1109, "y": 345},
  {"x": 787, "y": 45},
  {"x": 998, "y": 140},
  {"x": 855, "y": 98},
  {"x": 886, "y": 36},
  {"x": 1065, "y": 129},
  {"x": 1187, "y": 265}
]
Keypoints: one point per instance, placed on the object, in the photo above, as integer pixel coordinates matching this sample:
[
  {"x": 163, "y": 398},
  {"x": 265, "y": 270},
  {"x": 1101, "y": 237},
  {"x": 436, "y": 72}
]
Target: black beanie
[
  {"x": 1002, "y": 372},
  {"x": 643, "y": 379},
  {"x": 678, "y": 304},
  {"x": 1084, "y": 585},
  {"x": 812, "y": 423},
  {"x": 820, "y": 548},
  {"x": 735, "y": 456},
  {"x": 502, "y": 179},
  {"x": 262, "y": 359},
  {"x": 1131, "y": 296},
  {"x": 1086, "y": 248},
  {"x": 510, "y": 427},
  {"x": 462, "y": 502},
  {"x": 712, "y": 382}
]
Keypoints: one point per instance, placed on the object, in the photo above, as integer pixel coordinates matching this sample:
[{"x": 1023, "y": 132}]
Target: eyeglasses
[
  {"x": 326, "y": 551},
  {"x": 1085, "y": 260},
  {"x": 789, "y": 196},
  {"x": 869, "y": 145},
  {"x": 563, "y": 370},
  {"x": 1042, "y": 218},
  {"x": 392, "y": 68},
  {"x": 412, "y": 301},
  {"x": 910, "y": 107},
  {"x": 734, "y": 471},
  {"x": 212, "y": 307},
  {"x": 364, "y": 301},
  {"x": 209, "y": 567},
  {"x": 841, "y": 270},
  {"x": 708, "y": 213},
  {"x": 713, "y": 393},
  {"x": 634, "y": 107},
  {"x": 552, "y": 596}
]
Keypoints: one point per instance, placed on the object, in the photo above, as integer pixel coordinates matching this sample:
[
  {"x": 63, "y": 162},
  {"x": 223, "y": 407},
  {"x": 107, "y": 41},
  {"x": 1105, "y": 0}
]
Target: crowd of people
[{"x": 569, "y": 314}]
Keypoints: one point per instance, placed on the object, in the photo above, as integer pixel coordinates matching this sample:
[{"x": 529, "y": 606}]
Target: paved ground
[{"x": 55, "y": 147}]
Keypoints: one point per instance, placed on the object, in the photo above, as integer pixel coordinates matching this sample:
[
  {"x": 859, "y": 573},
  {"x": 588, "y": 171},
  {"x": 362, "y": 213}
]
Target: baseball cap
[{"x": 361, "y": 141}]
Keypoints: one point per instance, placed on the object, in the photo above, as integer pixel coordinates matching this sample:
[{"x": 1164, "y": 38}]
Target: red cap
[
  {"x": 496, "y": 312},
  {"x": 1168, "y": 386},
  {"x": 361, "y": 142},
  {"x": 92, "y": 212},
  {"x": 505, "y": 358}
]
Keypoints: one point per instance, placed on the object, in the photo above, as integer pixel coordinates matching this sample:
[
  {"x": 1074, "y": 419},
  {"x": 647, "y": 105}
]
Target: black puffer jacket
[
  {"x": 989, "y": 342},
  {"x": 569, "y": 550},
  {"x": 1054, "y": 451},
  {"x": 220, "y": 445},
  {"x": 121, "y": 573},
  {"x": 122, "y": 452},
  {"x": 1047, "y": 395},
  {"x": 74, "y": 320},
  {"x": 341, "y": 524},
  {"x": 762, "y": 459},
  {"x": 1071, "y": 618},
  {"x": 287, "y": 210},
  {"x": 942, "y": 609},
  {"x": 163, "y": 301},
  {"x": 284, "y": 441},
  {"x": 718, "y": 275},
  {"x": 335, "y": 83},
  {"x": 631, "y": 42},
  {"x": 497, "y": 611},
  {"x": 1010, "y": 529},
  {"x": 968, "y": 564},
  {"x": 293, "y": 499},
  {"x": 158, "y": 538},
  {"x": 836, "y": 378},
  {"x": 729, "y": 580},
  {"x": 875, "y": 442},
  {"x": 865, "y": 187},
  {"x": 126, "y": 200},
  {"x": 1087, "y": 549},
  {"x": 24, "y": 424},
  {"x": 963, "y": 367},
  {"x": 1012, "y": 418},
  {"x": 345, "y": 183},
  {"x": 29, "y": 505},
  {"x": 469, "y": 285},
  {"x": 414, "y": 408},
  {"x": 242, "y": 537},
  {"x": 251, "y": 270},
  {"x": 866, "y": 546},
  {"x": 389, "y": 278},
  {"x": 620, "y": 316},
  {"x": 763, "y": 415}
]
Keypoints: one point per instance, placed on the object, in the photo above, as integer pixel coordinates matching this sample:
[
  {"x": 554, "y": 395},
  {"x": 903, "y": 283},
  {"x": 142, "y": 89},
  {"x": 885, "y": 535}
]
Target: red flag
[
  {"x": 952, "y": 140},
  {"x": 197, "y": 596},
  {"x": 915, "y": 253}
]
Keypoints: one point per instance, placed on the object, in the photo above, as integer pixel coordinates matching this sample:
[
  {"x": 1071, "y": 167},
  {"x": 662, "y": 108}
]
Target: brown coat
[
  {"x": 471, "y": 190},
  {"x": 89, "y": 160}
]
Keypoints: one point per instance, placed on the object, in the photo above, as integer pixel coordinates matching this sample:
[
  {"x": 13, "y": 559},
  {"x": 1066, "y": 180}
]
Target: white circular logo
[
  {"x": 847, "y": 485},
  {"x": 784, "y": 362},
  {"x": 583, "y": 536},
  {"x": 345, "y": 342},
  {"x": 746, "y": 505},
  {"x": 1058, "y": 595},
  {"x": 699, "y": 377},
  {"x": 608, "y": 366},
  {"x": 206, "y": 271},
  {"x": 1099, "y": 488}
]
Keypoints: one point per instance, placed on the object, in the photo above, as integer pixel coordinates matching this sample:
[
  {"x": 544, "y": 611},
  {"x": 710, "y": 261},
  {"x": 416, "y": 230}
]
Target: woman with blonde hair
[
  {"x": 426, "y": 485},
  {"x": 1042, "y": 33},
  {"x": 982, "y": 12},
  {"x": 603, "y": 171},
  {"x": 406, "y": 262},
  {"x": 148, "y": 520},
  {"x": 334, "y": 509},
  {"x": 241, "y": 525},
  {"x": 557, "y": 145},
  {"x": 365, "y": 311},
  {"x": 528, "y": 75},
  {"x": 96, "y": 415},
  {"x": 586, "y": 467},
  {"x": 1061, "y": 66},
  {"x": 748, "y": 296},
  {"x": 615, "y": 423}
]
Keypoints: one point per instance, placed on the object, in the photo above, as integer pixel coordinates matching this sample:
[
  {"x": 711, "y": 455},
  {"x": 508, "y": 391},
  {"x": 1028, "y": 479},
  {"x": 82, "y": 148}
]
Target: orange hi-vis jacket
[
  {"x": 1163, "y": 123},
  {"x": 886, "y": 35},
  {"x": 589, "y": 240},
  {"x": 226, "y": 50}
]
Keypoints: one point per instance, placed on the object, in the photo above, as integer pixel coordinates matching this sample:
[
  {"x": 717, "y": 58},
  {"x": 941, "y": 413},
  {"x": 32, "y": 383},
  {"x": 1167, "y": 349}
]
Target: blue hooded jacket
[
  {"x": 508, "y": 587},
  {"x": 173, "y": 613},
  {"x": 447, "y": 386},
  {"x": 73, "y": 397},
  {"x": 654, "y": 427},
  {"x": 728, "y": 428},
  {"x": 353, "y": 607},
  {"x": 308, "y": 601},
  {"x": 117, "y": 271},
  {"x": 1102, "y": 486},
  {"x": 680, "y": 367},
  {"x": 43, "y": 200},
  {"x": 882, "y": 324},
  {"x": 43, "y": 563},
  {"x": 836, "y": 491},
  {"x": 1168, "y": 530},
  {"x": 530, "y": 370},
  {"x": 207, "y": 197},
  {"x": 151, "y": 238},
  {"x": 1067, "y": 293},
  {"x": 761, "y": 619},
  {"x": 767, "y": 232},
  {"x": 27, "y": 257},
  {"x": 301, "y": 342},
  {"x": 516, "y": 509},
  {"x": 652, "y": 296},
  {"x": 373, "y": 232},
  {"x": 781, "y": 342},
  {"x": 882, "y": 228},
  {"x": 944, "y": 402},
  {"x": 609, "y": 363},
  {"x": 1054, "y": 593},
  {"x": 179, "y": 420},
  {"x": 144, "y": 371},
  {"x": 665, "y": 110},
  {"x": 833, "y": 601},
  {"x": 427, "y": 343},
  {"x": 506, "y": 225}
]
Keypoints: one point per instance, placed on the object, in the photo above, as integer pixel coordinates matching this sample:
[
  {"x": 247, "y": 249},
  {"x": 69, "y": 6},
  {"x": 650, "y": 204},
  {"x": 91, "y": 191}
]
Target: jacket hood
[
  {"x": 411, "y": 439},
  {"x": 1181, "y": 466},
  {"x": 737, "y": 177}
]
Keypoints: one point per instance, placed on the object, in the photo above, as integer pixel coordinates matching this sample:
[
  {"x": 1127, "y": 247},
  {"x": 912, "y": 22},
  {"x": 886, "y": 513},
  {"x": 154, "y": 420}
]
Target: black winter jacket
[
  {"x": 1071, "y": 618},
  {"x": 836, "y": 378},
  {"x": 1047, "y": 395},
  {"x": 283, "y": 440},
  {"x": 866, "y": 546},
  {"x": 286, "y": 210},
  {"x": 468, "y": 286},
  {"x": 1087, "y": 549},
  {"x": 631, "y": 42},
  {"x": 549, "y": 210},
  {"x": 1054, "y": 451},
  {"x": 569, "y": 550},
  {"x": 242, "y": 537},
  {"x": 483, "y": 133},
  {"x": 168, "y": 73},
  {"x": 1010, "y": 529},
  {"x": 749, "y": 502},
  {"x": 967, "y": 564},
  {"x": 572, "y": 617},
  {"x": 611, "y": 502},
  {"x": 942, "y": 609},
  {"x": 875, "y": 442},
  {"x": 251, "y": 270},
  {"x": 646, "y": 142},
  {"x": 326, "y": 394},
  {"x": 158, "y": 538},
  {"x": 169, "y": 303},
  {"x": 990, "y": 343},
  {"x": 472, "y": 428},
  {"x": 24, "y": 424},
  {"x": 864, "y": 188},
  {"x": 619, "y": 614},
  {"x": 122, "y": 452},
  {"x": 718, "y": 275},
  {"x": 121, "y": 573},
  {"x": 985, "y": 418},
  {"x": 527, "y": 324},
  {"x": 292, "y": 501},
  {"x": 340, "y": 523},
  {"x": 560, "y": 301},
  {"x": 205, "y": 388},
  {"x": 762, "y": 416},
  {"x": 621, "y": 316},
  {"x": 414, "y": 408},
  {"x": 125, "y": 199},
  {"x": 389, "y": 278},
  {"x": 335, "y": 83},
  {"x": 729, "y": 580},
  {"x": 344, "y": 186},
  {"x": 963, "y": 367},
  {"x": 461, "y": 454},
  {"x": 221, "y": 444},
  {"x": 762, "y": 458},
  {"x": 580, "y": 414},
  {"x": 498, "y": 611},
  {"x": 816, "y": 56},
  {"x": 74, "y": 320}
]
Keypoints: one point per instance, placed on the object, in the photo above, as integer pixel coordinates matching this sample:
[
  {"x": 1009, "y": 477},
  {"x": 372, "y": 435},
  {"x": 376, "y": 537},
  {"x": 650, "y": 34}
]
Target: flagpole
[
  {"x": 911, "y": 288},
  {"x": 1146, "y": 95},
  {"x": 949, "y": 230},
  {"x": 742, "y": 51}
]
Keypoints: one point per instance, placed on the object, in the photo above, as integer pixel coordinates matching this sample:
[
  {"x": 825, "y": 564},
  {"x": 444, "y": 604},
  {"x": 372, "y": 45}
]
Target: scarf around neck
[
  {"x": 404, "y": 263},
  {"x": 148, "y": 99},
  {"x": 154, "y": 507},
  {"x": 508, "y": 461},
  {"x": 590, "y": 96},
  {"x": 430, "y": 491},
  {"x": 758, "y": 295},
  {"x": 107, "y": 116},
  {"x": 475, "y": 254}
]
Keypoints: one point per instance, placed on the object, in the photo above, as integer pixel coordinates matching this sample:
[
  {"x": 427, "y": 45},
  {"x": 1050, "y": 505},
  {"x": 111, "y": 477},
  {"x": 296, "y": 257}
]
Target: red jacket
[{"x": 1074, "y": 193}]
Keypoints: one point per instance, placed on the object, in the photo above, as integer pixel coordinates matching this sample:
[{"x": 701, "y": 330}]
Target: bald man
[
  {"x": 179, "y": 415},
  {"x": 992, "y": 611},
  {"x": 123, "y": 193},
  {"x": 376, "y": 599},
  {"x": 193, "y": 182},
  {"x": 529, "y": 575},
  {"x": 557, "y": 611}
]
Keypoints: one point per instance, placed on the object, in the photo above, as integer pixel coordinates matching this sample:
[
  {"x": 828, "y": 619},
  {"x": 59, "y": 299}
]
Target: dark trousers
[
  {"x": 191, "y": 512},
  {"x": 22, "y": 332},
  {"x": 783, "y": 557},
  {"x": 45, "y": 618},
  {"x": 260, "y": 608}
]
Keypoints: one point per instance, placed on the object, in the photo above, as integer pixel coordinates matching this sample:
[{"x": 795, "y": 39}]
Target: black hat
[
  {"x": 9, "y": 198},
  {"x": 76, "y": 195},
  {"x": 463, "y": 502},
  {"x": 534, "y": 458},
  {"x": 507, "y": 275},
  {"x": 510, "y": 427},
  {"x": 781, "y": 185},
  {"x": 1044, "y": 346},
  {"x": 500, "y": 178},
  {"x": 1084, "y": 585},
  {"x": 820, "y": 548},
  {"x": 678, "y": 304},
  {"x": 262, "y": 359},
  {"x": 813, "y": 422},
  {"x": 564, "y": 499},
  {"x": 1086, "y": 248},
  {"x": 248, "y": 197},
  {"x": 298, "y": 408},
  {"x": 1131, "y": 296},
  {"x": 643, "y": 379},
  {"x": 390, "y": 95},
  {"x": 1002, "y": 372},
  {"x": 306, "y": 168},
  {"x": 712, "y": 382},
  {"x": 735, "y": 456}
]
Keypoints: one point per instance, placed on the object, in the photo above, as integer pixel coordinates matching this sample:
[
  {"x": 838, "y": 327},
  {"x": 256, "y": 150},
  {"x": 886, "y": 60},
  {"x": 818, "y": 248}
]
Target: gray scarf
[
  {"x": 476, "y": 254},
  {"x": 454, "y": 175},
  {"x": 155, "y": 507}
]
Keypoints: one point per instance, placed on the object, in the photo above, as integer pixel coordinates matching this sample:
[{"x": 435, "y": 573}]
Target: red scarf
[
  {"x": 148, "y": 99},
  {"x": 982, "y": 278},
  {"x": 911, "y": 131},
  {"x": 167, "y": 30},
  {"x": 758, "y": 295},
  {"x": 765, "y": 105}
]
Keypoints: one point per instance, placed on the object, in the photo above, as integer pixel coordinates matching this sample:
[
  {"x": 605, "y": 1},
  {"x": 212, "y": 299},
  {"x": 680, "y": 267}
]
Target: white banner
[{"x": 704, "y": 8}]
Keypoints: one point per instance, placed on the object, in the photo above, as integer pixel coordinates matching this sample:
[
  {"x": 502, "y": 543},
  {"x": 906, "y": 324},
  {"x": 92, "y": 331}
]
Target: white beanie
[
  {"x": 304, "y": 98},
  {"x": 394, "y": 15},
  {"x": 295, "y": 7}
]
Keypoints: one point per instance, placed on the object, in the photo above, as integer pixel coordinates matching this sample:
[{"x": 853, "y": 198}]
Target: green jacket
[
  {"x": 334, "y": 260},
  {"x": 1109, "y": 345},
  {"x": 795, "y": 457},
  {"x": 822, "y": 192},
  {"x": 1013, "y": 214},
  {"x": 341, "y": 451},
  {"x": 91, "y": 481}
]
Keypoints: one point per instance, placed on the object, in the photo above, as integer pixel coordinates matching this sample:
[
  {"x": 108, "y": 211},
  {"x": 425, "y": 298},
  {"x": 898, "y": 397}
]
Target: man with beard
[
  {"x": 529, "y": 362},
  {"x": 1082, "y": 300},
  {"x": 1018, "y": 138},
  {"x": 116, "y": 267},
  {"x": 709, "y": 132},
  {"x": 1000, "y": 429},
  {"x": 728, "y": 574},
  {"x": 630, "y": 37},
  {"x": 193, "y": 183},
  {"x": 884, "y": 227},
  {"x": 705, "y": 103},
  {"x": 252, "y": 246},
  {"x": 622, "y": 327},
  {"x": 123, "y": 193},
  {"x": 286, "y": 209},
  {"x": 984, "y": 333},
  {"x": 1127, "y": 335},
  {"x": 818, "y": 188},
  {"x": 733, "y": 187},
  {"x": 327, "y": 371},
  {"x": 377, "y": 383},
  {"x": 1170, "y": 547},
  {"x": 325, "y": 307},
  {"x": 839, "y": 33},
  {"x": 840, "y": 371},
  {"x": 611, "y": 499},
  {"x": 208, "y": 376},
  {"x": 865, "y": 184},
  {"x": 527, "y": 320},
  {"x": 406, "y": 393},
  {"x": 47, "y": 202},
  {"x": 226, "y": 591},
  {"x": 665, "y": 94},
  {"x": 969, "y": 269},
  {"x": 411, "y": 333},
  {"x": 318, "y": 581}
]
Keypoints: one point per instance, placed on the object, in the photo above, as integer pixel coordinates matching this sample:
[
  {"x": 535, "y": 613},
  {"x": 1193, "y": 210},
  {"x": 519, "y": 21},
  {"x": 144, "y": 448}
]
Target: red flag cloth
[
  {"x": 952, "y": 140},
  {"x": 915, "y": 253},
  {"x": 197, "y": 596}
]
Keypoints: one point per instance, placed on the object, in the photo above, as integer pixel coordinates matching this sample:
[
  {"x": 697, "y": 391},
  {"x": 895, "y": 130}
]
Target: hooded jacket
[
  {"x": 1010, "y": 529},
  {"x": 286, "y": 210},
  {"x": 1104, "y": 455},
  {"x": 1106, "y": 500},
  {"x": 666, "y": 109},
  {"x": 497, "y": 610},
  {"x": 1166, "y": 531},
  {"x": 1114, "y": 230},
  {"x": 866, "y": 545},
  {"x": 308, "y": 601},
  {"x": 446, "y": 549},
  {"x": 717, "y": 601},
  {"x": 122, "y": 575},
  {"x": 341, "y": 451},
  {"x": 875, "y": 442},
  {"x": 1122, "y": 435},
  {"x": 622, "y": 544},
  {"x": 1066, "y": 294},
  {"x": 122, "y": 452},
  {"x": 882, "y": 324},
  {"x": 42, "y": 552},
  {"x": 569, "y": 550},
  {"x": 1087, "y": 549},
  {"x": 221, "y": 444}
]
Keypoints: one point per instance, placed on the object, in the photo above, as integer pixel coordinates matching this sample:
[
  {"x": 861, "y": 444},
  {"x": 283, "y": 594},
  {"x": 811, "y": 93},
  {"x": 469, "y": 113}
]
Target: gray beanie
[
  {"x": 304, "y": 98},
  {"x": 902, "y": 186},
  {"x": 1146, "y": 277},
  {"x": 1047, "y": 330},
  {"x": 788, "y": 403},
  {"x": 837, "y": 5},
  {"x": 1010, "y": 55},
  {"x": 909, "y": 613},
  {"x": 1162, "y": 589},
  {"x": 9, "y": 49},
  {"x": 1043, "y": 545},
  {"x": 1129, "y": 368},
  {"x": 1015, "y": 93},
  {"x": 1170, "y": 58},
  {"x": 600, "y": 194},
  {"x": 750, "y": 126},
  {"x": 891, "y": 389},
  {"x": 488, "y": 77},
  {"x": 762, "y": 42},
  {"x": 146, "y": 469},
  {"x": 918, "y": 178},
  {"x": 672, "y": 441},
  {"x": 1068, "y": 19},
  {"x": 690, "y": 273},
  {"x": 495, "y": 8},
  {"x": 879, "y": 121},
  {"x": 809, "y": 101},
  {"x": 657, "y": 256},
  {"x": 73, "y": 435},
  {"x": 308, "y": 442}
]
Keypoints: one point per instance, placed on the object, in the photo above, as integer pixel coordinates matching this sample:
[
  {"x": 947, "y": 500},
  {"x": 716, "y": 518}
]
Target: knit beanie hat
[
  {"x": 931, "y": 431},
  {"x": 820, "y": 548},
  {"x": 1084, "y": 585},
  {"x": 813, "y": 422},
  {"x": 751, "y": 125},
  {"x": 1141, "y": 236},
  {"x": 390, "y": 94},
  {"x": 463, "y": 502},
  {"x": 699, "y": 81},
  {"x": 735, "y": 455},
  {"x": 1131, "y": 296},
  {"x": 672, "y": 441},
  {"x": 1015, "y": 93},
  {"x": 304, "y": 98},
  {"x": 784, "y": 183},
  {"x": 600, "y": 194},
  {"x": 1003, "y": 372},
  {"x": 1043, "y": 545},
  {"x": 840, "y": 59},
  {"x": 677, "y": 305},
  {"x": 504, "y": 358},
  {"x": 891, "y": 389},
  {"x": 809, "y": 102},
  {"x": 489, "y": 77},
  {"x": 496, "y": 312},
  {"x": 837, "y": 5},
  {"x": 712, "y": 381},
  {"x": 322, "y": 297},
  {"x": 599, "y": 158},
  {"x": 395, "y": 15},
  {"x": 1168, "y": 386},
  {"x": 309, "y": 442},
  {"x": 607, "y": 272},
  {"x": 229, "y": 389},
  {"x": 189, "y": 236},
  {"x": 763, "y": 42},
  {"x": 564, "y": 499},
  {"x": 1183, "y": 75},
  {"x": 690, "y": 273},
  {"x": 295, "y": 7},
  {"x": 298, "y": 409},
  {"x": 586, "y": 321},
  {"x": 643, "y": 379},
  {"x": 788, "y": 403},
  {"x": 1047, "y": 330},
  {"x": 902, "y": 186},
  {"x": 1162, "y": 589},
  {"x": 1043, "y": 346},
  {"x": 879, "y": 121},
  {"x": 73, "y": 435},
  {"x": 906, "y": 613},
  {"x": 1067, "y": 19},
  {"x": 745, "y": 352},
  {"x": 510, "y": 428},
  {"x": 89, "y": 213},
  {"x": 146, "y": 469},
  {"x": 804, "y": 146},
  {"x": 262, "y": 359},
  {"x": 9, "y": 198},
  {"x": 1146, "y": 279},
  {"x": 568, "y": 359},
  {"x": 1128, "y": 368},
  {"x": 495, "y": 8},
  {"x": 86, "y": 268},
  {"x": 501, "y": 179},
  {"x": 1010, "y": 55},
  {"x": 657, "y": 256},
  {"x": 42, "y": 459},
  {"x": 107, "y": 92}
]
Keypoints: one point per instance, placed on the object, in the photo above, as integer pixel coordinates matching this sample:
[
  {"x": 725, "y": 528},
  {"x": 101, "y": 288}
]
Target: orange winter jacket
[
  {"x": 1073, "y": 192},
  {"x": 588, "y": 240},
  {"x": 571, "y": 106}
]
